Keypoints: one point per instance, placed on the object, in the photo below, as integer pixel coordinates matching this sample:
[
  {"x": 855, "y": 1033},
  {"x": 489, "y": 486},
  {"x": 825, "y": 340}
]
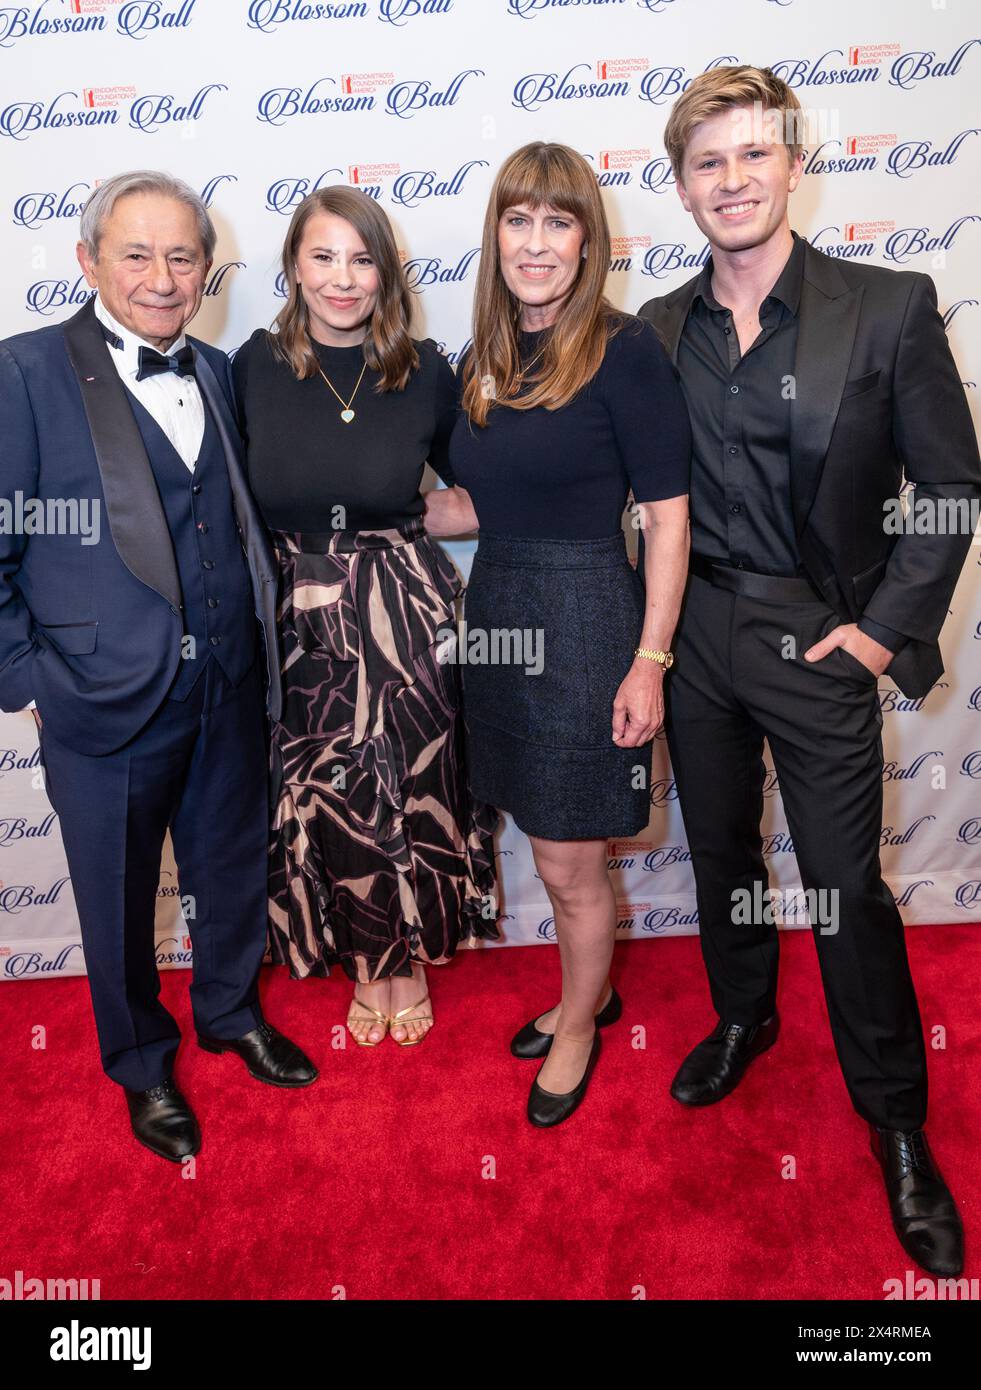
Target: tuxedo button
[
  {"x": 212, "y": 603},
  {"x": 207, "y": 564},
  {"x": 215, "y": 641},
  {"x": 195, "y": 488},
  {"x": 735, "y": 509},
  {"x": 203, "y": 527}
]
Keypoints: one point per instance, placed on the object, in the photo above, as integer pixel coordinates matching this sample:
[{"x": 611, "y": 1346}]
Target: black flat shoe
[
  {"x": 718, "y": 1063},
  {"x": 545, "y": 1108},
  {"x": 924, "y": 1215},
  {"x": 269, "y": 1056},
  {"x": 529, "y": 1042},
  {"x": 163, "y": 1122}
]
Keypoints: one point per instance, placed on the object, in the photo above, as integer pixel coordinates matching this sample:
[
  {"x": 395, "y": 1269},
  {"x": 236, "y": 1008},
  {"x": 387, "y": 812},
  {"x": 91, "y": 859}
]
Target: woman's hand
[
  {"x": 449, "y": 512},
  {"x": 638, "y": 710}
]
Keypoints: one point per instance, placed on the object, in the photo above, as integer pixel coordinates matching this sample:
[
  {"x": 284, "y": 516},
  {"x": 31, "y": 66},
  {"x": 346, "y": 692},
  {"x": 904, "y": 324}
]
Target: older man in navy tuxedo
[{"x": 141, "y": 654}]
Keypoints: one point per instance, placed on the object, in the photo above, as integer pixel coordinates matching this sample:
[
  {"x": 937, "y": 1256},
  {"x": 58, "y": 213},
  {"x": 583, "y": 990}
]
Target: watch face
[{"x": 668, "y": 659}]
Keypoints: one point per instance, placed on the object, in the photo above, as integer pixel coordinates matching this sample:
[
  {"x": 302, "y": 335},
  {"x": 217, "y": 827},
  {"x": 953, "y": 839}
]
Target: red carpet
[{"x": 413, "y": 1173}]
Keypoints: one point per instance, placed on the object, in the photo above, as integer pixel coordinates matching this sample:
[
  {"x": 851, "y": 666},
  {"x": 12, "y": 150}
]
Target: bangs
[{"x": 544, "y": 178}]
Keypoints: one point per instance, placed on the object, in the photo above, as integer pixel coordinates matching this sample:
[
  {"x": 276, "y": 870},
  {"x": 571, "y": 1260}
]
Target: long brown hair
[
  {"x": 555, "y": 176},
  {"x": 388, "y": 347}
]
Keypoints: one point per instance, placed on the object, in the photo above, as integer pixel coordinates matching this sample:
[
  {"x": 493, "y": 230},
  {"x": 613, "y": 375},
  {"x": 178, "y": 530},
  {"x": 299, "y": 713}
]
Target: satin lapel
[
  {"x": 676, "y": 317},
  {"x": 136, "y": 515},
  {"x": 254, "y": 536},
  {"x": 827, "y": 323}
]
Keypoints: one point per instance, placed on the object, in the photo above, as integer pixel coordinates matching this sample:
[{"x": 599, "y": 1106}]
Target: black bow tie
[{"x": 150, "y": 362}]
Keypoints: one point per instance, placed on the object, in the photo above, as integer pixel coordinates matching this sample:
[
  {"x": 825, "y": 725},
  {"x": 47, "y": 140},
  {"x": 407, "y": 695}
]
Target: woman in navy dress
[{"x": 568, "y": 406}]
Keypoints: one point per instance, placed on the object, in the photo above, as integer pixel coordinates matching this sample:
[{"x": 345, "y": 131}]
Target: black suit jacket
[
  {"x": 93, "y": 632},
  {"x": 877, "y": 396}
]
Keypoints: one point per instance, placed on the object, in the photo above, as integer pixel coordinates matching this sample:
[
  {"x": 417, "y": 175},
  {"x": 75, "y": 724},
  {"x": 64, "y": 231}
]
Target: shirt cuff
[{"x": 886, "y": 636}]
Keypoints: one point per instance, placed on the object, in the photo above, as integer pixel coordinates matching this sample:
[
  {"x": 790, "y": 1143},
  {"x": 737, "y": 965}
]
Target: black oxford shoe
[
  {"x": 547, "y": 1108},
  {"x": 717, "y": 1065},
  {"x": 923, "y": 1212},
  {"x": 529, "y": 1042},
  {"x": 269, "y": 1056},
  {"x": 163, "y": 1122}
]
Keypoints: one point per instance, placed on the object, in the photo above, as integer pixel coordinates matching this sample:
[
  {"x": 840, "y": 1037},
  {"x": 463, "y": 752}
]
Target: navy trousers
[{"x": 199, "y": 768}]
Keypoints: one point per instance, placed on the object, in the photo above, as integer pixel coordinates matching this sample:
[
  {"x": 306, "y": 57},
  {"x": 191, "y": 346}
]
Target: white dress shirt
[{"x": 173, "y": 401}]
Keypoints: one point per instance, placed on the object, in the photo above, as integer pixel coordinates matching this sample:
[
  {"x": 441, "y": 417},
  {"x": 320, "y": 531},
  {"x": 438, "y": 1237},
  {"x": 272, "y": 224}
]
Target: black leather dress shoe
[
  {"x": 716, "y": 1066},
  {"x": 269, "y": 1056},
  {"x": 163, "y": 1122},
  {"x": 546, "y": 1108},
  {"x": 529, "y": 1042},
  {"x": 923, "y": 1212}
]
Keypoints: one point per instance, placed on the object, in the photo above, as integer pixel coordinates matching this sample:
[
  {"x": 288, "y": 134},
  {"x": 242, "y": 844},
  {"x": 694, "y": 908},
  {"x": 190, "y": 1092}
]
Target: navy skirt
[{"x": 550, "y": 632}]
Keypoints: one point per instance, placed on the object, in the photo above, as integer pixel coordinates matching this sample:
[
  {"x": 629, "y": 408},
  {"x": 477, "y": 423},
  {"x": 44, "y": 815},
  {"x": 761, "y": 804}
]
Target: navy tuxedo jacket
[{"x": 92, "y": 632}]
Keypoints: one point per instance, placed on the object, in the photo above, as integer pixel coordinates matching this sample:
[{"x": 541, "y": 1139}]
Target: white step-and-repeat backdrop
[{"x": 417, "y": 102}]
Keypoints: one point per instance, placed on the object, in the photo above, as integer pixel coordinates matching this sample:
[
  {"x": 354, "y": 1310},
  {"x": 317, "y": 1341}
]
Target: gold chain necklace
[
  {"x": 347, "y": 414},
  {"x": 523, "y": 371}
]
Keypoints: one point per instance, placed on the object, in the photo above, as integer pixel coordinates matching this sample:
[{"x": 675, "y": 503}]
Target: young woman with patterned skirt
[{"x": 380, "y": 859}]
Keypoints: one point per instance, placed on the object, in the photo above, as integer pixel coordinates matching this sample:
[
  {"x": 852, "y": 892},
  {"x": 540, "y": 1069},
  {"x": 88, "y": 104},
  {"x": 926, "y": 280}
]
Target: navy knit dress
[{"x": 553, "y": 597}]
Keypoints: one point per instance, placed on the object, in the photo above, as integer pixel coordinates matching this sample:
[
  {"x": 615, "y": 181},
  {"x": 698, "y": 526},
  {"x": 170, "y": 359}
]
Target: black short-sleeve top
[
  {"x": 565, "y": 474},
  {"x": 304, "y": 462}
]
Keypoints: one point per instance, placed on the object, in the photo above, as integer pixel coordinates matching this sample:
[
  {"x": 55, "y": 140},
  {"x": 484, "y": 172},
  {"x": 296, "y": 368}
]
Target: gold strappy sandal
[
  {"x": 382, "y": 1019},
  {"x": 400, "y": 1017}
]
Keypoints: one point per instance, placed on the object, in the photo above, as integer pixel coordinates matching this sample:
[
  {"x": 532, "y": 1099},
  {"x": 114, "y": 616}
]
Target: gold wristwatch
[{"x": 665, "y": 659}]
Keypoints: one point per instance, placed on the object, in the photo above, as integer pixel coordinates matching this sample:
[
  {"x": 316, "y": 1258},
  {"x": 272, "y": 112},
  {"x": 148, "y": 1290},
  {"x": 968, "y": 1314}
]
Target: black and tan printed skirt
[{"x": 379, "y": 855}]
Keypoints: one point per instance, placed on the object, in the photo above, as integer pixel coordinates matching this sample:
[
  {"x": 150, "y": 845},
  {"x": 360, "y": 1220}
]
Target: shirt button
[
  {"x": 735, "y": 508},
  {"x": 207, "y": 564},
  {"x": 203, "y": 527},
  {"x": 215, "y": 641},
  {"x": 212, "y": 603},
  {"x": 734, "y": 390}
]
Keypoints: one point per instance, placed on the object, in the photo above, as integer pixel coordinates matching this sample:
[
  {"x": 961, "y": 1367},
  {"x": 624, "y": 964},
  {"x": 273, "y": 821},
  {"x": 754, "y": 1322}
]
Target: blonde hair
[
  {"x": 388, "y": 346},
  {"x": 554, "y": 176},
  {"x": 721, "y": 89}
]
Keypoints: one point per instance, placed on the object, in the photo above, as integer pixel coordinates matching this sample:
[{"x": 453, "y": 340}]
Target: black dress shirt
[{"x": 739, "y": 404}]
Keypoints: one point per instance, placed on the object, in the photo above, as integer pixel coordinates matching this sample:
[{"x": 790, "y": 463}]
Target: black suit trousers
[{"x": 740, "y": 676}]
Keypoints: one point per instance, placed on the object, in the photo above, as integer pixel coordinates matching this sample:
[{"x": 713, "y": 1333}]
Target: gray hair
[{"x": 100, "y": 204}]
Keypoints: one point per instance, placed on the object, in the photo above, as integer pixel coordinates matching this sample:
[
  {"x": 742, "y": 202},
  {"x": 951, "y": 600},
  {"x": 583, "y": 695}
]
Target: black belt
[{"x": 778, "y": 587}]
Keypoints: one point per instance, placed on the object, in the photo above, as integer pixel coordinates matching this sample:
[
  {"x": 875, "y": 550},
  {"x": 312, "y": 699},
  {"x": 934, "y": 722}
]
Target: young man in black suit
[{"x": 813, "y": 386}]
